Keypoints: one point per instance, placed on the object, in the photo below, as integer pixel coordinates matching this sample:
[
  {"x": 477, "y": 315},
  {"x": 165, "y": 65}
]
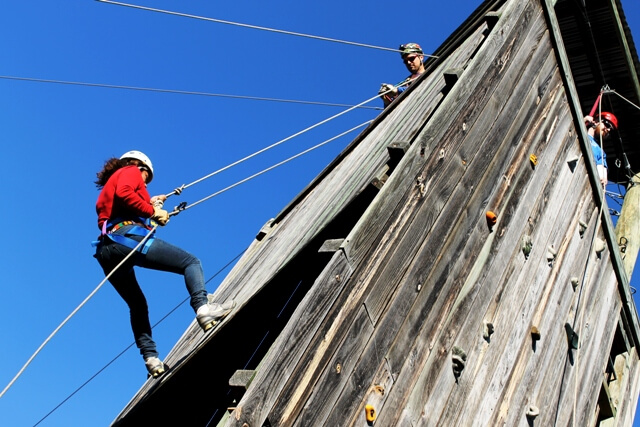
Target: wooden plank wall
[
  {"x": 422, "y": 275},
  {"x": 426, "y": 273},
  {"x": 311, "y": 214}
]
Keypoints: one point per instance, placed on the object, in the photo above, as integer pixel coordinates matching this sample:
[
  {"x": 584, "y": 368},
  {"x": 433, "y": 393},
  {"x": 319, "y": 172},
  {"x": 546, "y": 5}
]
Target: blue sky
[{"x": 56, "y": 137}]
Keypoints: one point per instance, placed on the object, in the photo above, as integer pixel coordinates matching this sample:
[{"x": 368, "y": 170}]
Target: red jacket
[{"x": 124, "y": 197}]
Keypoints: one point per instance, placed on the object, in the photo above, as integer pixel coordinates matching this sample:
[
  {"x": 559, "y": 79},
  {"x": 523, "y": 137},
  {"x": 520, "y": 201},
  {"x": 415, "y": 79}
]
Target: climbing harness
[{"x": 142, "y": 227}]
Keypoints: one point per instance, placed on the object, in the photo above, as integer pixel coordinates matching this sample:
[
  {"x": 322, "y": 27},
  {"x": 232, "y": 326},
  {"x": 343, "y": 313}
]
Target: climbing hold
[
  {"x": 622, "y": 243},
  {"x": 492, "y": 219},
  {"x": 527, "y": 245},
  {"x": 534, "y": 160},
  {"x": 487, "y": 331},
  {"x": 533, "y": 411},
  {"x": 459, "y": 358},
  {"x": 551, "y": 254},
  {"x": 535, "y": 334},
  {"x": 370, "y": 413},
  {"x": 338, "y": 368},
  {"x": 575, "y": 282},
  {"x": 583, "y": 228},
  {"x": 599, "y": 246},
  {"x": 572, "y": 336}
]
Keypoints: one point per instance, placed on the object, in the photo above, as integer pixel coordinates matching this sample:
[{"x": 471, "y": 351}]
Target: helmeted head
[
  {"x": 608, "y": 119},
  {"x": 412, "y": 57},
  {"x": 409, "y": 48},
  {"x": 140, "y": 156}
]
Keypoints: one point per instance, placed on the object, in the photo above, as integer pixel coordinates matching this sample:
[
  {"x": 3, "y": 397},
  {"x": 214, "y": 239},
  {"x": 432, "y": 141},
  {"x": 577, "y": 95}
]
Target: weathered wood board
[{"x": 417, "y": 305}]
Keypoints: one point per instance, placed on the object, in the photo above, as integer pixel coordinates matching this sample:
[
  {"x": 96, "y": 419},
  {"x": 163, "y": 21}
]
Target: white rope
[
  {"x": 254, "y": 27},
  {"x": 616, "y": 93},
  {"x": 275, "y": 165},
  {"x": 183, "y": 92},
  {"x": 275, "y": 144},
  {"x": 64, "y": 322},
  {"x": 76, "y": 310},
  {"x": 175, "y": 212}
]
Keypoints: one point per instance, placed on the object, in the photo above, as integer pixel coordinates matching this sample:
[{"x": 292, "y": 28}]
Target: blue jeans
[{"x": 160, "y": 256}]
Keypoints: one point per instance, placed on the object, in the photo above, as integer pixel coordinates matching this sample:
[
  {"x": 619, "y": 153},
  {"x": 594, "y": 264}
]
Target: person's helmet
[
  {"x": 409, "y": 48},
  {"x": 607, "y": 117},
  {"x": 139, "y": 155}
]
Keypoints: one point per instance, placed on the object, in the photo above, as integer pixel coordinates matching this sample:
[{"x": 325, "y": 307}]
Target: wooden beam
[
  {"x": 396, "y": 152},
  {"x": 451, "y": 76},
  {"x": 332, "y": 245},
  {"x": 265, "y": 230},
  {"x": 628, "y": 226},
  {"x": 607, "y": 225},
  {"x": 492, "y": 19}
]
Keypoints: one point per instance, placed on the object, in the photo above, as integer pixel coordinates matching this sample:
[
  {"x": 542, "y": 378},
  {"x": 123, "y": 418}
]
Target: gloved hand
[
  {"x": 160, "y": 216},
  {"x": 158, "y": 201},
  {"x": 588, "y": 122},
  {"x": 388, "y": 89}
]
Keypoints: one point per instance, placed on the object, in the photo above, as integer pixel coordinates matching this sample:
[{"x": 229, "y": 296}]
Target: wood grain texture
[{"x": 401, "y": 269}]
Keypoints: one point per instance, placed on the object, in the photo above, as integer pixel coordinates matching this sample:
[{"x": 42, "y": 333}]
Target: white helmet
[{"x": 139, "y": 155}]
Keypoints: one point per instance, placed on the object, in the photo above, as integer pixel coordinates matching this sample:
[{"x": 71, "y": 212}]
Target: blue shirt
[{"x": 598, "y": 154}]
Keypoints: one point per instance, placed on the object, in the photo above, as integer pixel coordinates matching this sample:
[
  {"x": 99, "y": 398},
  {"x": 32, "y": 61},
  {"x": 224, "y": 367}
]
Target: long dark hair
[{"x": 110, "y": 167}]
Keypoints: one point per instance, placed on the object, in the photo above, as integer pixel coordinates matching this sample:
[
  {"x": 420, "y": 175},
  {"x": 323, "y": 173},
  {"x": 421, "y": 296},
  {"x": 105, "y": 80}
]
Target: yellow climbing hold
[{"x": 370, "y": 412}]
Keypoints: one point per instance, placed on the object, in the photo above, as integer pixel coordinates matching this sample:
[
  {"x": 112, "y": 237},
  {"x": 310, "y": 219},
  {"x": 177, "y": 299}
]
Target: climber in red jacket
[{"x": 126, "y": 214}]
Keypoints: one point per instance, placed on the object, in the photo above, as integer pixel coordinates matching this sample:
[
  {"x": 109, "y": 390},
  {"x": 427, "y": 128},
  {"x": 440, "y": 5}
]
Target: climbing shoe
[
  {"x": 210, "y": 314},
  {"x": 154, "y": 366}
]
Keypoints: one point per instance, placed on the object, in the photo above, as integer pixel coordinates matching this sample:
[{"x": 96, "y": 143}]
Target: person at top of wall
[
  {"x": 413, "y": 59},
  {"x": 126, "y": 214},
  {"x": 598, "y": 130}
]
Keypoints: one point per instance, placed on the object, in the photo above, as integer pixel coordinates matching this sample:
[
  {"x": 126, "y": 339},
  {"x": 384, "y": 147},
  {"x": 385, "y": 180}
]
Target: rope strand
[
  {"x": 242, "y": 181},
  {"x": 184, "y": 92},
  {"x": 175, "y": 212},
  {"x": 76, "y": 310},
  {"x": 275, "y": 144},
  {"x": 132, "y": 344},
  {"x": 254, "y": 27},
  {"x": 616, "y": 93}
]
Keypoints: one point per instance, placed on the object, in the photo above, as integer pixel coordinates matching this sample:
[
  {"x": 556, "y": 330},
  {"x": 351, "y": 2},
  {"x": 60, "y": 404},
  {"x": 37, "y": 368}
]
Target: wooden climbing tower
[{"x": 385, "y": 294}]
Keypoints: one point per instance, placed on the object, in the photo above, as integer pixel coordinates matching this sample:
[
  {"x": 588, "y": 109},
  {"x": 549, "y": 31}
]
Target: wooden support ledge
[
  {"x": 492, "y": 19},
  {"x": 451, "y": 76},
  {"x": 332, "y": 245},
  {"x": 396, "y": 152},
  {"x": 381, "y": 177},
  {"x": 265, "y": 229}
]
